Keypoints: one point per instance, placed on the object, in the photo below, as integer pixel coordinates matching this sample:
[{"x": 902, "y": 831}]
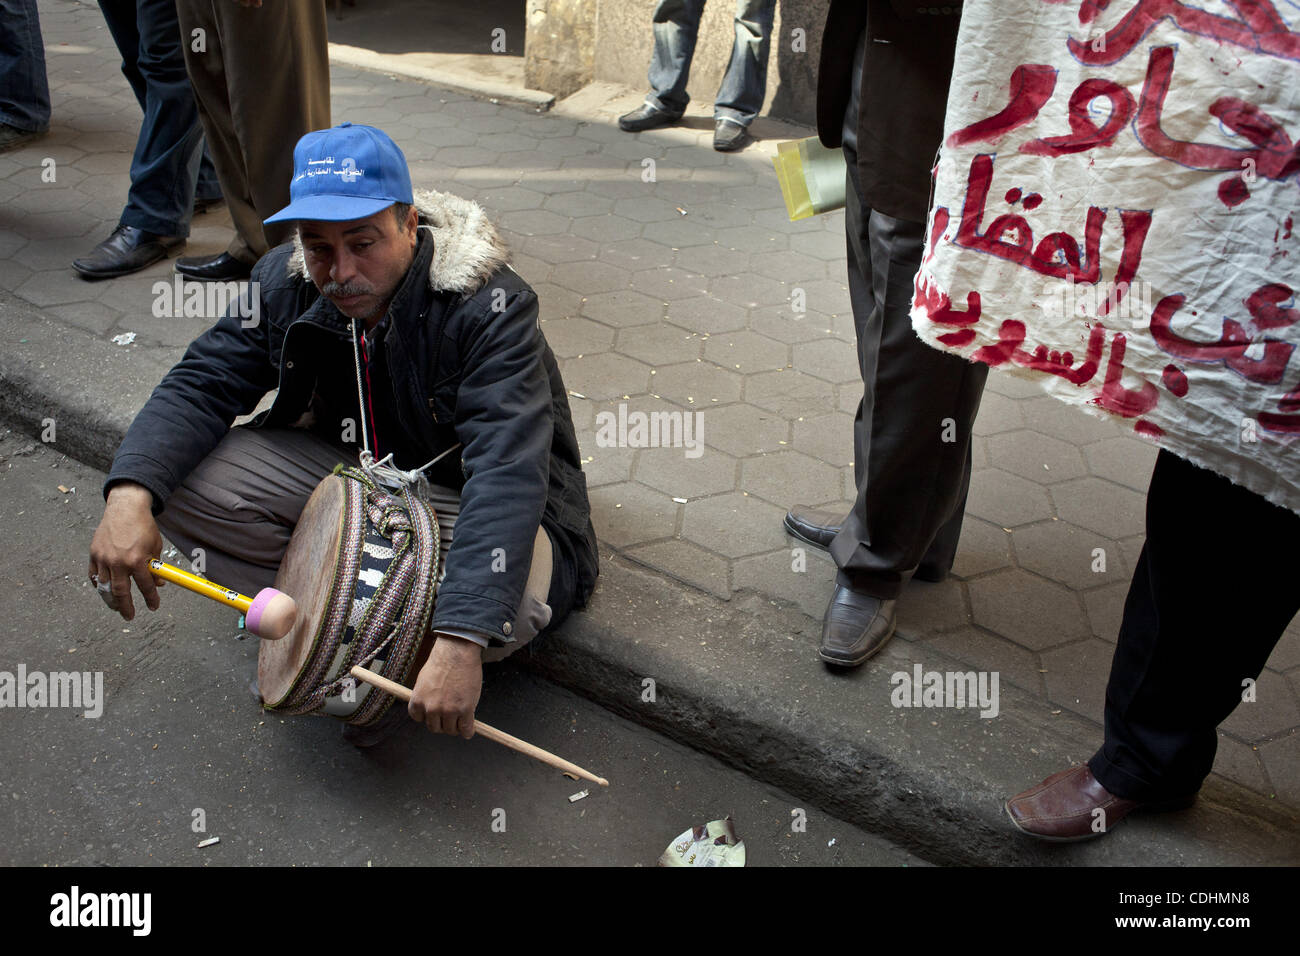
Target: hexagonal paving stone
[
  {"x": 1071, "y": 423},
  {"x": 1281, "y": 759},
  {"x": 606, "y": 376},
  {"x": 998, "y": 414},
  {"x": 696, "y": 384},
  {"x": 1105, "y": 609},
  {"x": 554, "y": 302},
  {"x": 673, "y": 470},
  {"x": 1076, "y": 677},
  {"x": 636, "y": 255},
  {"x": 743, "y": 430},
  {"x": 510, "y": 198},
  {"x": 746, "y": 352},
  {"x": 776, "y": 574},
  {"x": 686, "y": 562},
  {"x": 623, "y": 308},
  {"x": 572, "y": 337},
  {"x": 733, "y": 524},
  {"x": 659, "y": 344},
  {"x": 819, "y": 245},
  {"x": 828, "y": 438},
  {"x": 628, "y": 513},
  {"x": 1070, "y": 555},
  {"x": 604, "y": 466},
  {"x": 790, "y": 266},
  {"x": 1127, "y": 461},
  {"x": 926, "y": 608},
  {"x": 1101, "y": 506},
  {"x": 1241, "y": 763},
  {"x": 984, "y": 652},
  {"x": 749, "y": 239},
  {"x": 534, "y": 222},
  {"x": 645, "y": 209},
  {"x": 607, "y": 228},
  {"x": 704, "y": 313},
  {"x": 667, "y": 282},
  {"x": 782, "y": 323},
  {"x": 749, "y": 289},
  {"x": 590, "y": 278},
  {"x": 1005, "y": 499},
  {"x": 1272, "y": 713},
  {"x": 1036, "y": 457},
  {"x": 983, "y": 547},
  {"x": 1034, "y": 613},
  {"x": 711, "y": 260},
  {"x": 831, "y": 359},
  {"x": 677, "y": 233},
  {"x": 784, "y": 477},
  {"x": 578, "y": 204},
  {"x": 829, "y": 297},
  {"x": 561, "y": 248},
  {"x": 790, "y": 393}
]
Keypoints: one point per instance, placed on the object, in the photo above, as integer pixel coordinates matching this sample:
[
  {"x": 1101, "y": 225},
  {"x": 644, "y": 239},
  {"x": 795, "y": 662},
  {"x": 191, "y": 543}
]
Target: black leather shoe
[
  {"x": 812, "y": 526},
  {"x": 855, "y": 627},
  {"x": 127, "y": 250},
  {"x": 646, "y": 117},
  {"x": 203, "y": 205},
  {"x": 222, "y": 267},
  {"x": 729, "y": 137},
  {"x": 11, "y": 137}
]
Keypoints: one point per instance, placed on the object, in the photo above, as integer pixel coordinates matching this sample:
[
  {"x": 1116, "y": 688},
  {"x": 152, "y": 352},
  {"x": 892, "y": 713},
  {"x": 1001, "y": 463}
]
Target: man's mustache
[{"x": 345, "y": 290}]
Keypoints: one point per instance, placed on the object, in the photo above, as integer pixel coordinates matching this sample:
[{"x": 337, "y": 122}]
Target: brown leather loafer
[{"x": 1072, "y": 805}]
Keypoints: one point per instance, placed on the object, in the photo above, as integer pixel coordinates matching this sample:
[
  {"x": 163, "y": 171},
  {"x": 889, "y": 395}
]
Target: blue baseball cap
[{"x": 347, "y": 172}]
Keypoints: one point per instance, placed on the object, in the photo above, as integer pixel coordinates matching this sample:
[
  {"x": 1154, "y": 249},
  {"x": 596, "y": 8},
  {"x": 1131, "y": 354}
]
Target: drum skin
[{"x": 306, "y": 574}]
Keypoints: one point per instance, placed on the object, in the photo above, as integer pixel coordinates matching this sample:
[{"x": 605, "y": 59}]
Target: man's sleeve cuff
[{"x": 478, "y": 637}]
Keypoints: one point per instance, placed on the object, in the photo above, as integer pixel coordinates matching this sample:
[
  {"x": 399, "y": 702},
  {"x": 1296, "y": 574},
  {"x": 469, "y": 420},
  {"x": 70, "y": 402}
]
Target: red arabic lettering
[
  {"x": 1011, "y": 335},
  {"x": 1261, "y": 29},
  {"x": 1232, "y": 345},
  {"x": 1031, "y": 87},
  {"x": 1087, "y": 134},
  {"x": 1114, "y": 397}
]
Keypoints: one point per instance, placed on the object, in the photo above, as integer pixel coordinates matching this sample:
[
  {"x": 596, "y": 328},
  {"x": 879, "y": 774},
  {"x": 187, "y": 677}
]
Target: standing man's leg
[
  {"x": 912, "y": 435},
  {"x": 25, "y": 97},
  {"x": 676, "y": 26},
  {"x": 1212, "y": 593},
  {"x": 165, "y": 166},
  {"x": 253, "y": 117},
  {"x": 745, "y": 84}
]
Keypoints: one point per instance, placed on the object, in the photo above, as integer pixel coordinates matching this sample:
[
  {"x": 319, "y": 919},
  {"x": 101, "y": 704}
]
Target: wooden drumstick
[
  {"x": 491, "y": 733},
  {"x": 270, "y": 615}
]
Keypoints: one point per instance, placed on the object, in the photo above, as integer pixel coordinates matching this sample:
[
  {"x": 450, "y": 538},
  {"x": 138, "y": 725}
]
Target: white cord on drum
[{"x": 384, "y": 472}]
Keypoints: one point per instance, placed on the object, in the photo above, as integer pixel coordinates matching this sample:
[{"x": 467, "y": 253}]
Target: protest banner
[{"x": 1115, "y": 216}]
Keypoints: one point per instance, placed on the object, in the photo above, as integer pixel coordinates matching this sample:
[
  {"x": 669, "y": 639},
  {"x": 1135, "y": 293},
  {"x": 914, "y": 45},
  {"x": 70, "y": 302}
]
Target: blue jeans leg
[
  {"x": 676, "y": 25},
  {"x": 168, "y": 151},
  {"x": 25, "y": 95},
  {"x": 745, "y": 84}
]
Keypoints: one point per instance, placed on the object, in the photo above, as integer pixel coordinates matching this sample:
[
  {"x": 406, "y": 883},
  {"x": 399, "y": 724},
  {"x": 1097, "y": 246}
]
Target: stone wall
[{"x": 560, "y": 45}]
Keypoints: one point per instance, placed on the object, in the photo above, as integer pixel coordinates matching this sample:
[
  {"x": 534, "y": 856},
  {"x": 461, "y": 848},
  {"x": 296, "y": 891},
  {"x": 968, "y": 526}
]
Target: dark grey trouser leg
[
  {"x": 912, "y": 480},
  {"x": 240, "y": 506}
]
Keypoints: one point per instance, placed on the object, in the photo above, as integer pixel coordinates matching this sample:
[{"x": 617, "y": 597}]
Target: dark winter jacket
[{"x": 467, "y": 363}]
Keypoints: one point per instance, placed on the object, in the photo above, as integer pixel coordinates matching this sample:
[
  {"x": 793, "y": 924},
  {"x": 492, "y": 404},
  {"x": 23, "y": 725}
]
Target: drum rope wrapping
[{"x": 395, "y": 618}]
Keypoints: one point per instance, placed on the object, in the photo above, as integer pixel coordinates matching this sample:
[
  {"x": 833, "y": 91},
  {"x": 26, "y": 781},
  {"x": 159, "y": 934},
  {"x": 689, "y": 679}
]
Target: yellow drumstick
[{"x": 269, "y": 615}]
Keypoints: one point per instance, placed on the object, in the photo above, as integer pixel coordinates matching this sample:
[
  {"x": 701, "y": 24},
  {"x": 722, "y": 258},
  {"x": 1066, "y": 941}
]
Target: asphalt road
[{"x": 181, "y": 740}]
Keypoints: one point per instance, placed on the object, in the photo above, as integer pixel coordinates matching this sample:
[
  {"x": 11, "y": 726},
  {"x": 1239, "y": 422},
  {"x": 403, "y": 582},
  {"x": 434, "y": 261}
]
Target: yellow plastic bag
[{"x": 811, "y": 177}]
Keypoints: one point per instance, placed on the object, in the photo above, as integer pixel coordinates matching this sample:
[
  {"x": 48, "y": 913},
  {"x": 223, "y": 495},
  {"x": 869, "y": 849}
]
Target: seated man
[{"x": 448, "y": 352}]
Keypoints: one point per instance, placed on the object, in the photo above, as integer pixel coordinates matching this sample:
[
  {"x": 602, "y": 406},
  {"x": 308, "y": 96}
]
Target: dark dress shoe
[
  {"x": 646, "y": 117},
  {"x": 855, "y": 627},
  {"x": 1064, "y": 807},
  {"x": 812, "y": 526},
  {"x": 11, "y": 137},
  {"x": 729, "y": 137},
  {"x": 127, "y": 250},
  {"x": 202, "y": 205},
  {"x": 222, "y": 267}
]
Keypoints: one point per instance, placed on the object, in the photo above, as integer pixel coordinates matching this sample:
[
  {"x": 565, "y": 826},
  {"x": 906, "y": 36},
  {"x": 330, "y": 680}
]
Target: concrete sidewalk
[{"x": 676, "y": 295}]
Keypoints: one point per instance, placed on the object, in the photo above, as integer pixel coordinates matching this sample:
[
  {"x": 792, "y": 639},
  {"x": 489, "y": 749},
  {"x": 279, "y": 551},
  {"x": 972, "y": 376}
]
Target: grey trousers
[
  {"x": 238, "y": 508},
  {"x": 912, "y": 432}
]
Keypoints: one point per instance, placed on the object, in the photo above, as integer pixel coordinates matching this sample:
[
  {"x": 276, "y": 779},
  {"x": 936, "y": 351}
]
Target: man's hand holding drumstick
[
  {"x": 125, "y": 541},
  {"x": 447, "y": 689}
]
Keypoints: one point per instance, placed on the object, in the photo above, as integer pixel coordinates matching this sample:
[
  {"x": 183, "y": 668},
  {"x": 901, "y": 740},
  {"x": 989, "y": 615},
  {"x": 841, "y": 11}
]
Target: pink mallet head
[{"x": 271, "y": 615}]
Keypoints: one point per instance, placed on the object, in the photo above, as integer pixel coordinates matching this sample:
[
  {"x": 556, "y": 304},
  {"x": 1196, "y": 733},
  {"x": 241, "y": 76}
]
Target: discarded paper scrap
[{"x": 714, "y": 844}]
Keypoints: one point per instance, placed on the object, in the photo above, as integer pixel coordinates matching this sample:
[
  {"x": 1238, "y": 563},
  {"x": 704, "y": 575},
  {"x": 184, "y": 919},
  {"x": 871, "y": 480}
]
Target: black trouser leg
[{"x": 1216, "y": 585}]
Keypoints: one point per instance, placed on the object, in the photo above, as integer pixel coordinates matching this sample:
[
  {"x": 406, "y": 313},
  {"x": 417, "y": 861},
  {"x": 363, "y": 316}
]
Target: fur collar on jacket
[{"x": 467, "y": 250}]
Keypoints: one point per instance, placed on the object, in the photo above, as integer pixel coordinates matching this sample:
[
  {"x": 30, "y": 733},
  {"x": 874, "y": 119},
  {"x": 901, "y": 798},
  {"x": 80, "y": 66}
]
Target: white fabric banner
[{"x": 1116, "y": 215}]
